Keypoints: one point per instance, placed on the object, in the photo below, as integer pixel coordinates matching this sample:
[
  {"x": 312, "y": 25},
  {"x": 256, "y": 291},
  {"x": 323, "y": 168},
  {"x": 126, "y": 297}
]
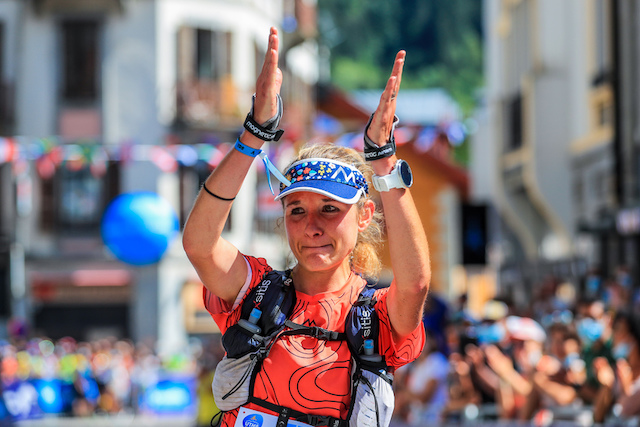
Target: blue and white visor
[{"x": 334, "y": 179}]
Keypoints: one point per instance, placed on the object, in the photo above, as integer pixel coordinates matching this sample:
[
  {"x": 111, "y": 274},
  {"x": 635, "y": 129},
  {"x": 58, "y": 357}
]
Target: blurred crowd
[
  {"x": 43, "y": 377},
  {"x": 572, "y": 355}
]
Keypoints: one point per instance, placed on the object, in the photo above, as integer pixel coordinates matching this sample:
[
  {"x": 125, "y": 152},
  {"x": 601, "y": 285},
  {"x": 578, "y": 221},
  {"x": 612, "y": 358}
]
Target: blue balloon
[{"x": 138, "y": 227}]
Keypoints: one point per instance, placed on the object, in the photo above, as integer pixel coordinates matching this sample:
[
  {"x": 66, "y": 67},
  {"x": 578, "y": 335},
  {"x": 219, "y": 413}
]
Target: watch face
[{"x": 405, "y": 173}]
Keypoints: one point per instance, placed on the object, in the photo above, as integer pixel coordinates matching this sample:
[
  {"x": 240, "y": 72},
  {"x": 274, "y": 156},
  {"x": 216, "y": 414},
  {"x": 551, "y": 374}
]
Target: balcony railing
[
  {"x": 7, "y": 107},
  {"x": 71, "y": 6},
  {"x": 208, "y": 102}
]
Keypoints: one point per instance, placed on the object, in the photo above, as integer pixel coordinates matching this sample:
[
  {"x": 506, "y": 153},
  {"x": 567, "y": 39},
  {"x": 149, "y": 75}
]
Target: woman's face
[{"x": 322, "y": 232}]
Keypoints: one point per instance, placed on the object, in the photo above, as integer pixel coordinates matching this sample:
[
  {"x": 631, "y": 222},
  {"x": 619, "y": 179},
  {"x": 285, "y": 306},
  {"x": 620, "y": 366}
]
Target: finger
[
  {"x": 393, "y": 83},
  {"x": 386, "y": 107},
  {"x": 398, "y": 67},
  {"x": 269, "y": 81},
  {"x": 382, "y": 121},
  {"x": 397, "y": 79},
  {"x": 273, "y": 36},
  {"x": 274, "y": 44},
  {"x": 270, "y": 64},
  {"x": 390, "y": 92}
]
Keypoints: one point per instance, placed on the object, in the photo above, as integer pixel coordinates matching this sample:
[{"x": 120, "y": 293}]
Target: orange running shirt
[{"x": 306, "y": 374}]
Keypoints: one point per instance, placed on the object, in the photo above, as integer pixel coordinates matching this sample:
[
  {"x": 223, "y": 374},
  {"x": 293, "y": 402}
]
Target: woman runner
[{"x": 333, "y": 229}]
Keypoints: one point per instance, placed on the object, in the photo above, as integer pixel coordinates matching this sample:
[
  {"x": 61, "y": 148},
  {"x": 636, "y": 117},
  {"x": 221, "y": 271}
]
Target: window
[
  {"x": 213, "y": 54},
  {"x": 513, "y": 115},
  {"x": 205, "y": 89},
  {"x": 7, "y": 203},
  {"x": 602, "y": 40},
  {"x": 80, "y": 60},
  {"x": 6, "y": 91},
  {"x": 80, "y": 202},
  {"x": 519, "y": 45},
  {"x": 5, "y": 281},
  {"x": 604, "y": 113},
  {"x": 204, "y": 54},
  {"x": 191, "y": 180},
  {"x": 602, "y": 184},
  {"x": 578, "y": 192},
  {"x": 73, "y": 200}
]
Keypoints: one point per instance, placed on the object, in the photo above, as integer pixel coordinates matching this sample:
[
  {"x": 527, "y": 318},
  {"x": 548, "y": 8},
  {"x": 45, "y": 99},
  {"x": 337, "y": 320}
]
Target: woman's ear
[{"x": 366, "y": 214}]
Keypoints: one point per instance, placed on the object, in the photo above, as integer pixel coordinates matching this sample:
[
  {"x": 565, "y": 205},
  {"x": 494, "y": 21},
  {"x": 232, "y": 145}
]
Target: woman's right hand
[
  {"x": 219, "y": 264},
  {"x": 269, "y": 82}
]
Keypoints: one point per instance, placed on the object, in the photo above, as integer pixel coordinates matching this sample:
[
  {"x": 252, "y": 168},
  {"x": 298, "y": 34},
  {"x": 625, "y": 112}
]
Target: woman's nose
[{"x": 313, "y": 227}]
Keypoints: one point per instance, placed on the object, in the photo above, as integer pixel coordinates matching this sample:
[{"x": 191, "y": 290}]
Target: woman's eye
[
  {"x": 330, "y": 208},
  {"x": 296, "y": 211}
]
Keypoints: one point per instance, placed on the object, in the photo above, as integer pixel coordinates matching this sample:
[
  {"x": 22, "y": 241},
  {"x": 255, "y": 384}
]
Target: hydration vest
[{"x": 264, "y": 318}]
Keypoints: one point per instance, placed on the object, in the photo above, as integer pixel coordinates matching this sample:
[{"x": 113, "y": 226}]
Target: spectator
[
  {"x": 485, "y": 380},
  {"x": 462, "y": 390},
  {"x": 592, "y": 326},
  {"x": 209, "y": 359},
  {"x": 426, "y": 392},
  {"x": 514, "y": 385},
  {"x": 622, "y": 387},
  {"x": 100, "y": 377},
  {"x": 551, "y": 381}
]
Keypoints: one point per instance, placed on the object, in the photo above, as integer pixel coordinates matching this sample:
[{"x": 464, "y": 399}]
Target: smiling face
[{"x": 322, "y": 232}]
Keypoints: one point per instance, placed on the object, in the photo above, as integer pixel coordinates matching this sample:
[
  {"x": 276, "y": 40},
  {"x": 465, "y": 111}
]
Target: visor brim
[{"x": 343, "y": 193}]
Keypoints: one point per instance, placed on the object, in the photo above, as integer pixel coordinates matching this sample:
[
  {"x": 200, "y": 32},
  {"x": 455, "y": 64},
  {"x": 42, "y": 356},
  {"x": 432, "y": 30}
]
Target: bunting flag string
[{"x": 49, "y": 154}]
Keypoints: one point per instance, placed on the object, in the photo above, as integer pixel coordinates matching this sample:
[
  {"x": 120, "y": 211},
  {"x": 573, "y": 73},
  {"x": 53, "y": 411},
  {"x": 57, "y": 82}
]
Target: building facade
[
  {"x": 557, "y": 158},
  {"x": 105, "y": 97},
  {"x": 627, "y": 144}
]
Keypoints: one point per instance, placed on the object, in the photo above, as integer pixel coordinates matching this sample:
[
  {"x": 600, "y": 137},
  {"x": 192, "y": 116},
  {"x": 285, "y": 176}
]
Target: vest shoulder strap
[{"x": 313, "y": 331}]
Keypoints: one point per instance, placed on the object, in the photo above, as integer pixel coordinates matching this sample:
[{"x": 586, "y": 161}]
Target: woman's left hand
[
  {"x": 405, "y": 235},
  {"x": 382, "y": 122}
]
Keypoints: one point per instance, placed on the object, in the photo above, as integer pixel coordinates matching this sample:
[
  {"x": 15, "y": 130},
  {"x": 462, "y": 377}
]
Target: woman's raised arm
[
  {"x": 218, "y": 263},
  {"x": 405, "y": 234}
]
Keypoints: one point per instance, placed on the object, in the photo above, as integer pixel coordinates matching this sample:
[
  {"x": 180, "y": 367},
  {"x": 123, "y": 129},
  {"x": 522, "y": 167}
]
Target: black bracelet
[
  {"x": 260, "y": 132},
  {"x": 215, "y": 195},
  {"x": 267, "y": 131},
  {"x": 373, "y": 151}
]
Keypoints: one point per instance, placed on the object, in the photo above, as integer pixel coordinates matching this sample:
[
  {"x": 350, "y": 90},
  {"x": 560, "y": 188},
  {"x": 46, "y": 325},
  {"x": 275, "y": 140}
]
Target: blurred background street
[
  {"x": 119, "y": 421},
  {"x": 519, "y": 118}
]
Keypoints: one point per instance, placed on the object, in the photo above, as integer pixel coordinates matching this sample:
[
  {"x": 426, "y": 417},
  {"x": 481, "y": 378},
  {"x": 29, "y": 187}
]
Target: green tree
[{"x": 443, "y": 40}]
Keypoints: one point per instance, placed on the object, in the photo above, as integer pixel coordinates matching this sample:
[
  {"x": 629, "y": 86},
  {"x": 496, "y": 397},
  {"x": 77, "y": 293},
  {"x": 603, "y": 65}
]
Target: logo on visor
[{"x": 349, "y": 179}]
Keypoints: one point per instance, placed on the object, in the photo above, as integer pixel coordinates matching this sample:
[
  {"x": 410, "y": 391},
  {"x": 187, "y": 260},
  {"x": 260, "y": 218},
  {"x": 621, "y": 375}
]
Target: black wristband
[
  {"x": 267, "y": 131},
  {"x": 387, "y": 150},
  {"x": 261, "y": 132},
  {"x": 374, "y": 152}
]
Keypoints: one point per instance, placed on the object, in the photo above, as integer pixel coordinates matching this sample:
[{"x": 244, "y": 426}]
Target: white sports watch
[{"x": 400, "y": 177}]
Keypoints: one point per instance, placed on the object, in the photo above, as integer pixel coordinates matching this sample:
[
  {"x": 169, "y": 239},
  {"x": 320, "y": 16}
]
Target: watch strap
[
  {"x": 392, "y": 180},
  {"x": 379, "y": 183}
]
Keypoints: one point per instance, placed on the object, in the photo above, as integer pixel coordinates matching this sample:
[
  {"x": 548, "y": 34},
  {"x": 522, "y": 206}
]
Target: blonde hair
[{"x": 364, "y": 258}]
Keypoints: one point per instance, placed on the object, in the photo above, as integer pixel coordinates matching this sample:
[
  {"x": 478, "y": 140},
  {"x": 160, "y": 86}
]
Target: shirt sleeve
[
  {"x": 396, "y": 354},
  {"x": 222, "y": 314}
]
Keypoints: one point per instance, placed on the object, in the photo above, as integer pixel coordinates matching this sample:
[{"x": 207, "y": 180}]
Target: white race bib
[{"x": 252, "y": 418}]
